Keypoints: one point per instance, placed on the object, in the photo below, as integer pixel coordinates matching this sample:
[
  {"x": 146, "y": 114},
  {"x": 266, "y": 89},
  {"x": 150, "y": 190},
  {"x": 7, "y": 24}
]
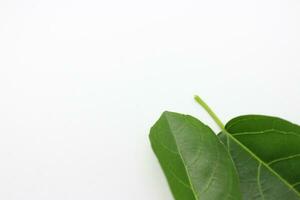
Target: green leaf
[
  {"x": 195, "y": 162},
  {"x": 266, "y": 152}
]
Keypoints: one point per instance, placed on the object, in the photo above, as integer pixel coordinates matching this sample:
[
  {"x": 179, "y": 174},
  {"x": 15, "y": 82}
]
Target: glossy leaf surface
[
  {"x": 195, "y": 162},
  {"x": 266, "y": 152}
]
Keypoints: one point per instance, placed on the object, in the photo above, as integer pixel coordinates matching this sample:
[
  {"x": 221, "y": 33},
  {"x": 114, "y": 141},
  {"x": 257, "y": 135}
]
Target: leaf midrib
[
  {"x": 179, "y": 153},
  {"x": 261, "y": 161}
]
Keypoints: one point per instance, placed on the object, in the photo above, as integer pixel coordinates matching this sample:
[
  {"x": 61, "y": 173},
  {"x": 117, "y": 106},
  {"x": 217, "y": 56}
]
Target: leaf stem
[{"x": 209, "y": 111}]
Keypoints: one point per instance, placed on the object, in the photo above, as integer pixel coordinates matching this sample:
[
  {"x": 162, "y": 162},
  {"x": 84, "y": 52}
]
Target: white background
[{"x": 81, "y": 83}]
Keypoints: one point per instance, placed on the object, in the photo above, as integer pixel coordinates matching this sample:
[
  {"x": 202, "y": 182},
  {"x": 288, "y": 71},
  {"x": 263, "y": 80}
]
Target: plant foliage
[{"x": 255, "y": 157}]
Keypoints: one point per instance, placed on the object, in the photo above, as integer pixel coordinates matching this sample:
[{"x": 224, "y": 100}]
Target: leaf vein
[
  {"x": 258, "y": 181},
  {"x": 179, "y": 179},
  {"x": 284, "y": 158},
  {"x": 267, "y": 131}
]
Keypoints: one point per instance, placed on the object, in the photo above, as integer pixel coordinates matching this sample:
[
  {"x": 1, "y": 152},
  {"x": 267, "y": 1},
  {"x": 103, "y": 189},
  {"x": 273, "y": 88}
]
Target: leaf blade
[
  {"x": 268, "y": 139},
  {"x": 195, "y": 162}
]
